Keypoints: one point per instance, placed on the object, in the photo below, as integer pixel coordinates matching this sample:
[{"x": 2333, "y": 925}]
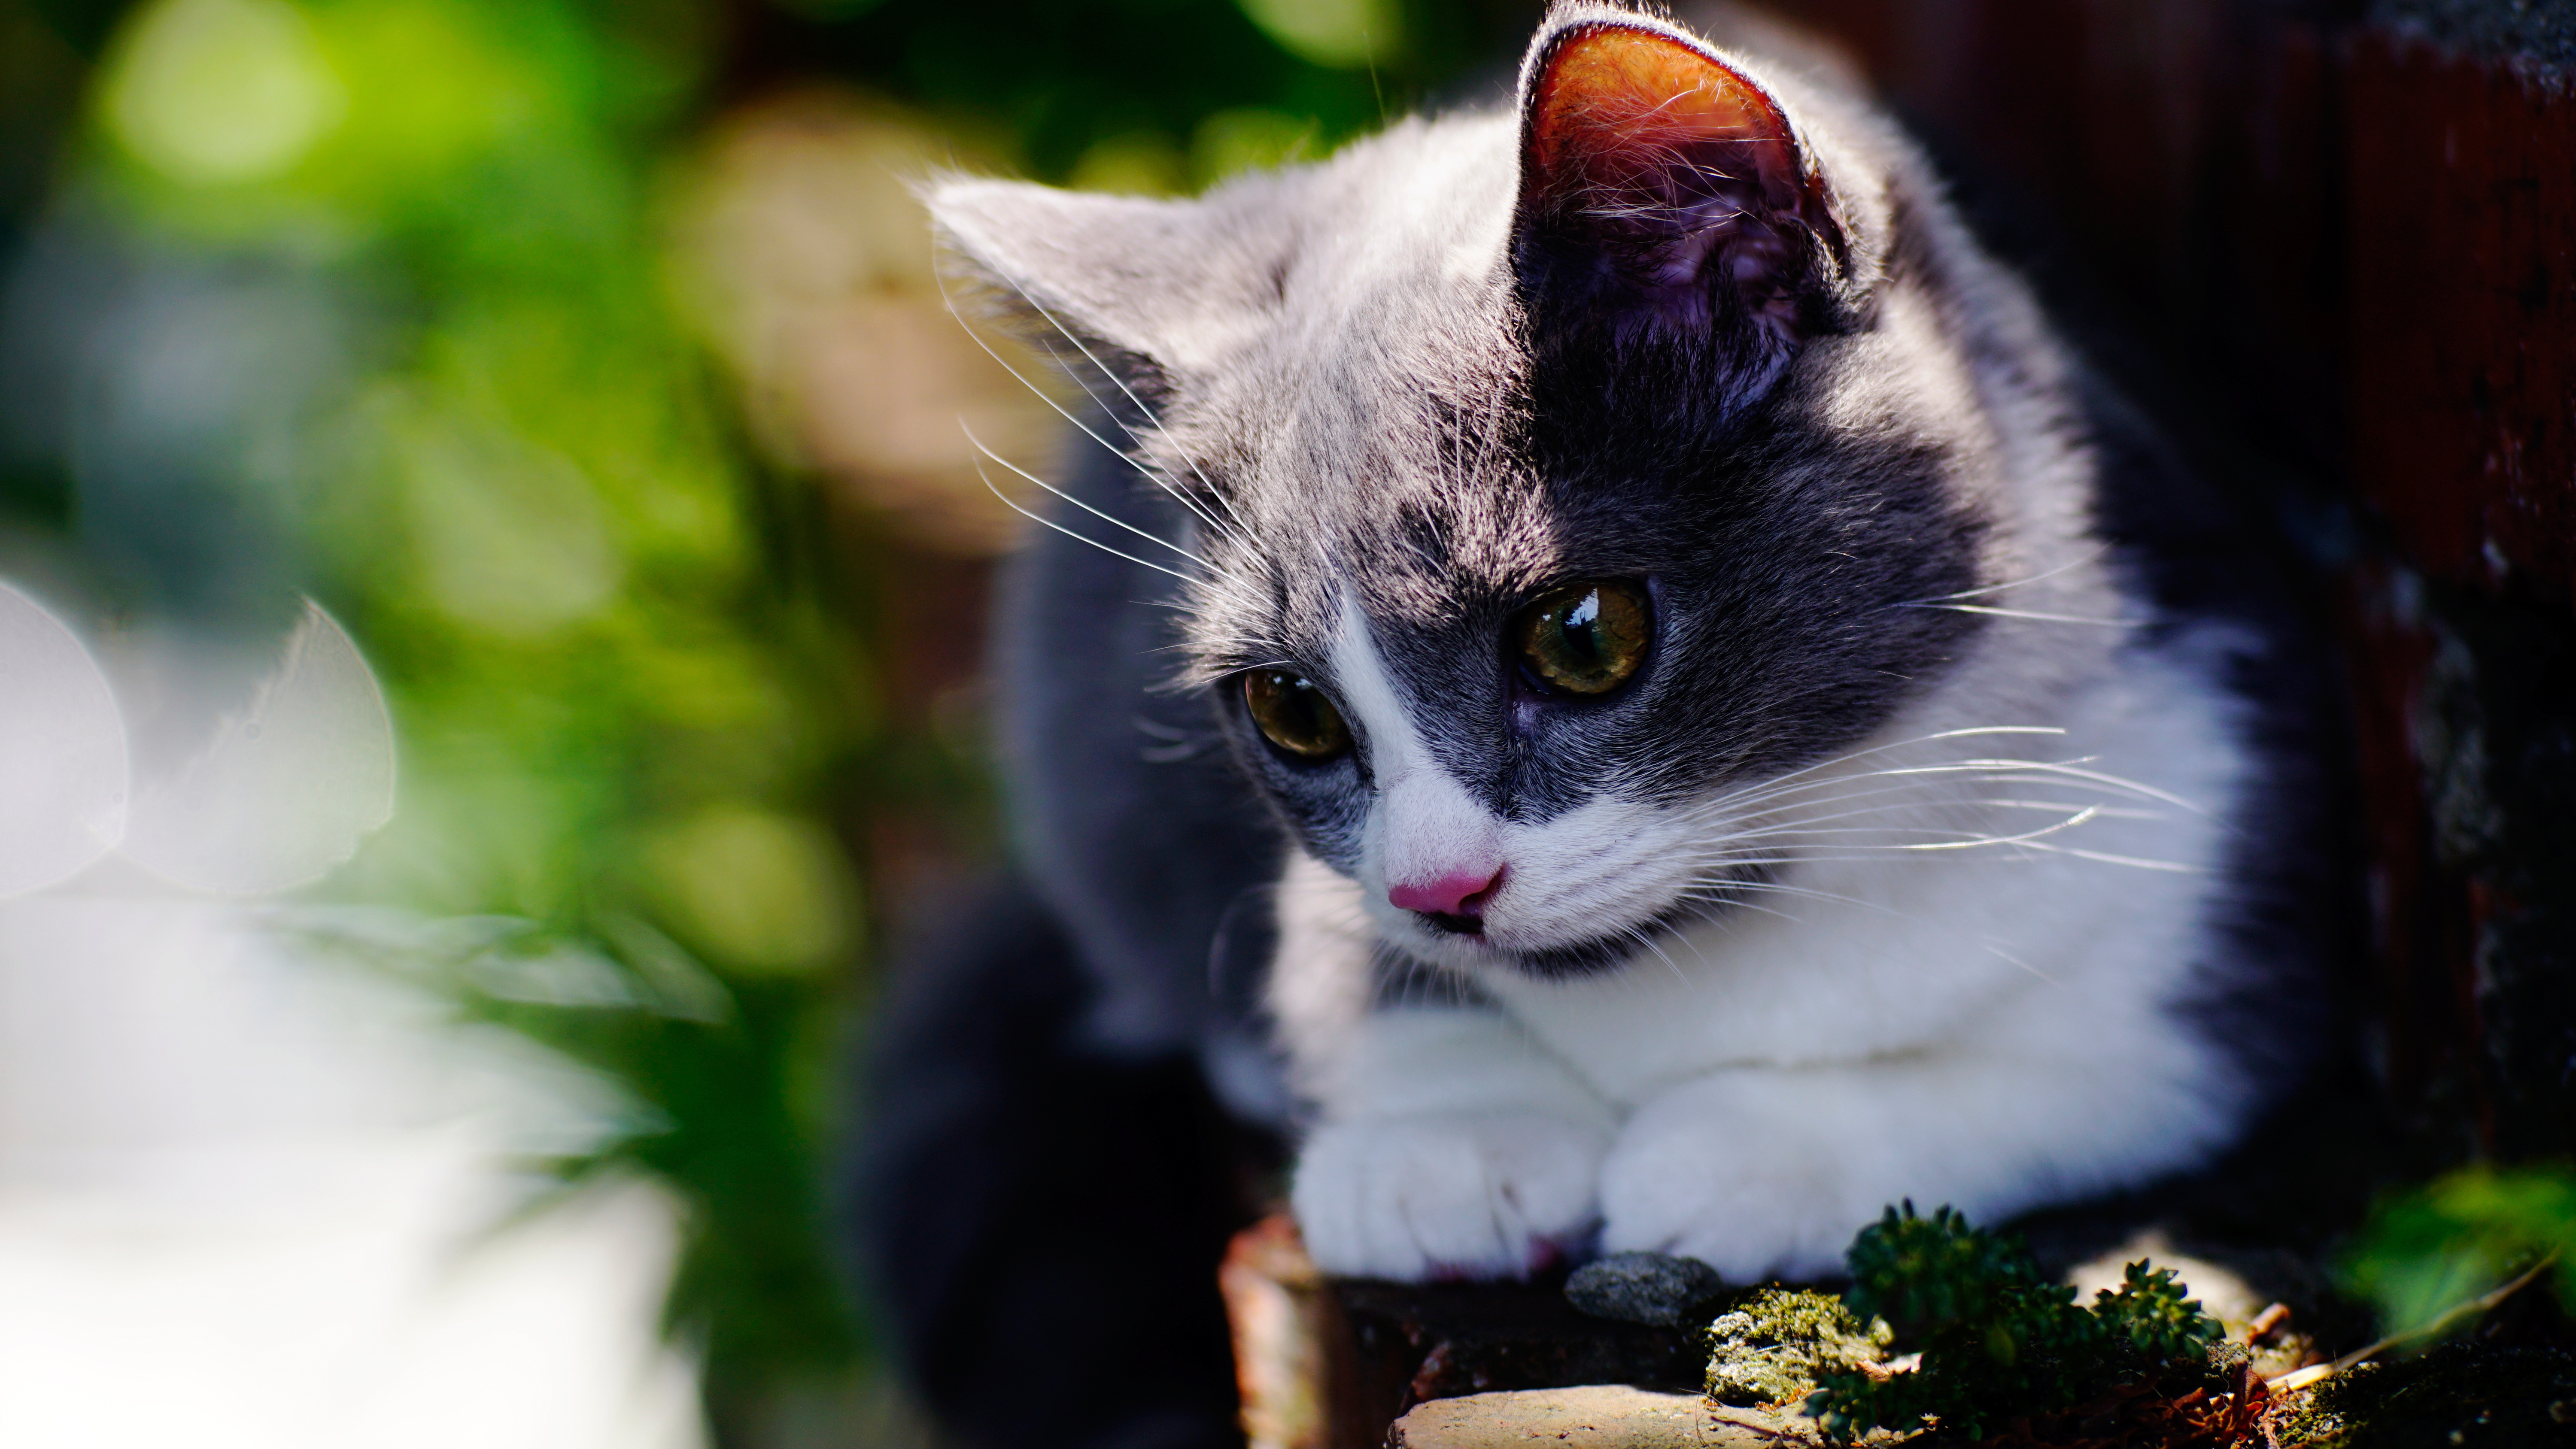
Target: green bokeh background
[{"x": 412, "y": 261}]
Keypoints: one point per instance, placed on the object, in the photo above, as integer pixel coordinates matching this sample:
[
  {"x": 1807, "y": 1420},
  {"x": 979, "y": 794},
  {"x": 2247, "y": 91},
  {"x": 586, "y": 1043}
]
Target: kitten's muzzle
[
  {"x": 1449, "y": 923},
  {"x": 1450, "y": 904}
]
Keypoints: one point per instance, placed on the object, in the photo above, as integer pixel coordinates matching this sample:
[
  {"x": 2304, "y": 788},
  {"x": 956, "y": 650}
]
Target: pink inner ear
[{"x": 1627, "y": 122}]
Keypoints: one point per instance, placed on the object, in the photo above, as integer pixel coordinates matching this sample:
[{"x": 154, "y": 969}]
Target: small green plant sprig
[{"x": 1999, "y": 1341}]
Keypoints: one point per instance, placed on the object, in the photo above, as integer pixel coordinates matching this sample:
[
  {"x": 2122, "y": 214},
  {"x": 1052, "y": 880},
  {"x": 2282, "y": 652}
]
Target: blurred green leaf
[{"x": 2426, "y": 1251}]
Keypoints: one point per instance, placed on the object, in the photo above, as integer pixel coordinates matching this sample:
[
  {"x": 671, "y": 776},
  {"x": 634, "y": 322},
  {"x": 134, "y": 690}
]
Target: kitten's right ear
[
  {"x": 1660, "y": 180},
  {"x": 1166, "y": 284}
]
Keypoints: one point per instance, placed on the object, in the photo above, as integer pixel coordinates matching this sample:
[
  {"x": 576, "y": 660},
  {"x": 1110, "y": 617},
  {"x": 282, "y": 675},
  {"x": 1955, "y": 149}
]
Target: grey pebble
[{"x": 1644, "y": 1288}]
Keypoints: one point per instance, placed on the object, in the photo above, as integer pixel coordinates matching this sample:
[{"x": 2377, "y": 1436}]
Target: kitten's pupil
[
  {"x": 1586, "y": 639},
  {"x": 1585, "y": 614},
  {"x": 1295, "y": 715}
]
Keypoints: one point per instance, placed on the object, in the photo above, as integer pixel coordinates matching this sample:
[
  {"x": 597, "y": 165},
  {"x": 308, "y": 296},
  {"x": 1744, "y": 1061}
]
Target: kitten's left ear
[
  {"x": 1656, "y": 171},
  {"x": 1153, "y": 287}
]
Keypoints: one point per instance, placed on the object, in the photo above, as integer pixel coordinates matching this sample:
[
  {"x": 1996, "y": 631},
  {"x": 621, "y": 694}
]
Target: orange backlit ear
[
  {"x": 1649, "y": 163},
  {"x": 1620, "y": 118}
]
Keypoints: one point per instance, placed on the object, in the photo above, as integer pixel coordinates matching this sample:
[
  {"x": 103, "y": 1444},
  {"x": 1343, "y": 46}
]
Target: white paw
[
  {"x": 1447, "y": 1195},
  {"x": 1722, "y": 1176}
]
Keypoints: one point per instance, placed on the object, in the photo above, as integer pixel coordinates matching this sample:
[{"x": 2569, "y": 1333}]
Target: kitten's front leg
[
  {"x": 1760, "y": 1171},
  {"x": 1451, "y": 1145}
]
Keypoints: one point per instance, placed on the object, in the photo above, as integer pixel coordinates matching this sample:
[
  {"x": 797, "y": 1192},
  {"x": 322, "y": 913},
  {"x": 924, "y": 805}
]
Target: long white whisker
[
  {"x": 1706, "y": 889},
  {"x": 1967, "y": 733},
  {"x": 2015, "y": 584},
  {"x": 2071, "y": 771},
  {"x": 1139, "y": 403},
  {"x": 1649, "y": 943},
  {"x": 1914, "y": 779},
  {"x": 1975, "y": 841},
  {"x": 1749, "y": 906},
  {"x": 2026, "y": 614},
  {"x": 2045, "y": 772},
  {"x": 2175, "y": 866},
  {"x": 1720, "y": 891},
  {"x": 1919, "y": 805},
  {"x": 1178, "y": 495},
  {"x": 1007, "y": 502},
  {"x": 2053, "y": 807},
  {"x": 1108, "y": 518},
  {"x": 1970, "y": 837}
]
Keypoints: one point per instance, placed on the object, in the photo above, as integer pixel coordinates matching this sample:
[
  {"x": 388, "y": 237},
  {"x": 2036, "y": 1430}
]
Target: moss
[
  {"x": 1772, "y": 1346},
  {"x": 2000, "y": 1343}
]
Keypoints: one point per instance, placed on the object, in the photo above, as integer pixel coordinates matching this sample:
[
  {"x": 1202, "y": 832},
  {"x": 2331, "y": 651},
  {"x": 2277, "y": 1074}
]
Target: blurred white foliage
[
  {"x": 286, "y": 789},
  {"x": 276, "y": 796},
  {"x": 250, "y": 1199},
  {"x": 63, "y": 772}
]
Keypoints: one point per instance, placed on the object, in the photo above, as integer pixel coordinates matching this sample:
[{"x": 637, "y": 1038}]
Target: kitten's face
[{"x": 1558, "y": 481}]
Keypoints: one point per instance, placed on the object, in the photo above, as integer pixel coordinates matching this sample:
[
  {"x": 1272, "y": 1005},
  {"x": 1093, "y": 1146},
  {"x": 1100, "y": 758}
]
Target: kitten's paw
[
  {"x": 1731, "y": 1185},
  {"x": 1447, "y": 1195}
]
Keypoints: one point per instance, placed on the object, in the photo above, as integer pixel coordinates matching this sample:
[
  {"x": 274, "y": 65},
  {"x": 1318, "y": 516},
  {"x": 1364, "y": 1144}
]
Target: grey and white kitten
[{"x": 1753, "y": 730}]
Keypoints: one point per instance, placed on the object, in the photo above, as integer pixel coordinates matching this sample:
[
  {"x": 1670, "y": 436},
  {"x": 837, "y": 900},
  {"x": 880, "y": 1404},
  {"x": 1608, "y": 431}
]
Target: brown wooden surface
[
  {"x": 1413, "y": 1343},
  {"x": 2462, "y": 177}
]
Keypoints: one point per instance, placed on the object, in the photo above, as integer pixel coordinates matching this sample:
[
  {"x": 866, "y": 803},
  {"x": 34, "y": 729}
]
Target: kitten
[{"x": 1750, "y": 728}]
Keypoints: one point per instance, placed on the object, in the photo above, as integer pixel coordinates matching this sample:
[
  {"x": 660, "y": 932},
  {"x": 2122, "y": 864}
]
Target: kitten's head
[{"x": 1555, "y": 477}]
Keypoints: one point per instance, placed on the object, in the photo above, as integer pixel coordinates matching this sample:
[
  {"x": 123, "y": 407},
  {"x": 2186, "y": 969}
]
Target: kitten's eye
[
  {"x": 1295, "y": 715},
  {"x": 1587, "y": 639}
]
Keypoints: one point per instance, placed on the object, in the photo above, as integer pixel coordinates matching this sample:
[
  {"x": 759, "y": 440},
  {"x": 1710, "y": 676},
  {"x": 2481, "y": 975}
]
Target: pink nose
[{"x": 1459, "y": 893}]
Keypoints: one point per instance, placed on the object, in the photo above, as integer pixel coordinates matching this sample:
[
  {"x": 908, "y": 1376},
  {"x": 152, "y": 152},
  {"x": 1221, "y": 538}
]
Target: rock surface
[
  {"x": 1652, "y": 1288},
  {"x": 1608, "y": 1416}
]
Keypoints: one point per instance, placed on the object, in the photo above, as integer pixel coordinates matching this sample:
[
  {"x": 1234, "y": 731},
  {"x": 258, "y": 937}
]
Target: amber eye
[
  {"x": 1295, "y": 715},
  {"x": 1588, "y": 638}
]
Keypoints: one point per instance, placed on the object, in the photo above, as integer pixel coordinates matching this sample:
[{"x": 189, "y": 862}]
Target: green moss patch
[{"x": 1774, "y": 1345}]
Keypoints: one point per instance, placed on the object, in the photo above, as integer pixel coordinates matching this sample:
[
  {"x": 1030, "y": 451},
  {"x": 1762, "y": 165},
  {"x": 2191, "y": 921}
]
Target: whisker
[
  {"x": 1974, "y": 841},
  {"x": 1647, "y": 941},
  {"x": 1009, "y": 503},
  {"x": 2177, "y": 867},
  {"x": 1981, "y": 942},
  {"x": 1917, "y": 806},
  {"x": 1084, "y": 428},
  {"x": 2026, "y": 614},
  {"x": 1911, "y": 780},
  {"x": 1142, "y": 410},
  {"x": 2047, "y": 772},
  {"x": 1784, "y": 888},
  {"x": 2015, "y": 584},
  {"x": 1085, "y": 507},
  {"x": 1967, "y": 733}
]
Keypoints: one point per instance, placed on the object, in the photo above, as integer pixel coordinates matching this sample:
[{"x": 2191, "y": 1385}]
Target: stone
[
  {"x": 1770, "y": 1347},
  {"x": 1601, "y": 1416},
  {"x": 1649, "y": 1288}
]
